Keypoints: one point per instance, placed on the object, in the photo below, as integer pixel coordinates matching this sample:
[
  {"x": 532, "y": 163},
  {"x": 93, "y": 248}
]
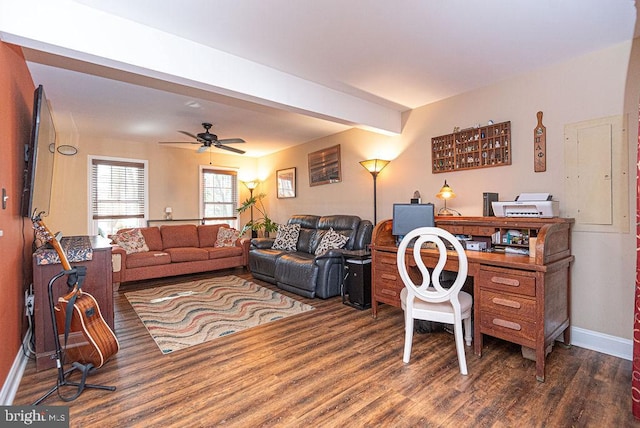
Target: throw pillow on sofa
[
  {"x": 331, "y": 240},
  {"x": 131, "y": 241},
  {"x": 286, "y": 237},
  {"x": 227, "y": 237}
]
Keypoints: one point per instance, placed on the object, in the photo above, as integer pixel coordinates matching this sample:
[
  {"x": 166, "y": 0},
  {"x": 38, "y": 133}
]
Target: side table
[
  {"x": 98, "y": 283},
  {"x": 356, "y": 289}
]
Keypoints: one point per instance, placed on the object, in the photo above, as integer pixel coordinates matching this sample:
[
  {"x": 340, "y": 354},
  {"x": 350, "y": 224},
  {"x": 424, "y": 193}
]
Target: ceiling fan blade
[
  {"x": 188, "y": 134},
  {"x": 207, "y": 140},
  {"x": 231, "y": 149},
  {"x": 231, "y": 141}
]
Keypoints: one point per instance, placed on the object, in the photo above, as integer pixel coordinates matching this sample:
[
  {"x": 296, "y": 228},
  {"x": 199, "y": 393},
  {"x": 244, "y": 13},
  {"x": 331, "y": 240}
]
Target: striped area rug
[{"x": 182, "y": 315}]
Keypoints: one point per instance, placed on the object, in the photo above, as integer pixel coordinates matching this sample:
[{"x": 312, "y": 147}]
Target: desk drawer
[
  {"x": 454, "y": 229},
  {"x": 507, "y": 304},
  {"x": 509, "y": 328},
  {"x": 387, "y": 283},
  {"x": 485, "y": 231},
  {"x": 469, "y": 230},
  {"x": 385, "y": 261},
  {"x": 388, "y": 291},
  {"x": 507, "y": 281}
]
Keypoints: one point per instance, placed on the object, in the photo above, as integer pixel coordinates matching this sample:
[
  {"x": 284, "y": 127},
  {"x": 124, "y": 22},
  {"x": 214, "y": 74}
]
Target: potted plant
[{"x": 264, "y": 222}]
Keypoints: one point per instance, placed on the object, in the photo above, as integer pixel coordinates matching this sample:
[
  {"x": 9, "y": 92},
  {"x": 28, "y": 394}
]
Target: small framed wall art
[
  {"x": 286, "y": 183},
  {"x": 324, "y": 166}
]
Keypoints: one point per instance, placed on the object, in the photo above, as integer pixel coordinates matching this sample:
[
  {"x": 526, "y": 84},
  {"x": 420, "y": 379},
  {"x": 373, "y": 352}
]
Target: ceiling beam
[{"x": 70, "y": 29}]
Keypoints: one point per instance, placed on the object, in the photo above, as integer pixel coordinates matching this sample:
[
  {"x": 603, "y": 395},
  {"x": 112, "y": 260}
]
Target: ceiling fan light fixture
[{"x": 207, "y": 139}]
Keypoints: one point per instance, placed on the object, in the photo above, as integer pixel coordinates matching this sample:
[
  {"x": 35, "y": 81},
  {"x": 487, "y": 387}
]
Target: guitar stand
[{"x": 85, "y": 369}]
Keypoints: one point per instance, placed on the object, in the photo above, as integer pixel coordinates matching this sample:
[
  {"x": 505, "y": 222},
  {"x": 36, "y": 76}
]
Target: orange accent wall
[
  {"x": 635, "y": 375},
  {"x": 16, "y": 103}
]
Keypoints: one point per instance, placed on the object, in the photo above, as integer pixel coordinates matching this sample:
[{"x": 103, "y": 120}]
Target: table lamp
[{"x": 445, "y": 193}]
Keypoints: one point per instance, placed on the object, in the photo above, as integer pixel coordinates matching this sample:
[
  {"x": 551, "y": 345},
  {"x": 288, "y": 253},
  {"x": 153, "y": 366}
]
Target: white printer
[{"x": 527, "y": 205}]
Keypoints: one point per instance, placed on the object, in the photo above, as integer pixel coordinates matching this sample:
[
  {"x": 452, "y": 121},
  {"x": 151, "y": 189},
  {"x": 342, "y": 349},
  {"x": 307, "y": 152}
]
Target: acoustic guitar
[{"x": 89, "y": 338}]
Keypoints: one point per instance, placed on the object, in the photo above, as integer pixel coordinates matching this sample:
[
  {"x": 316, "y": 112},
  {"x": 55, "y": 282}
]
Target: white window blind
[
  {"x": 219, "y": 194},
  {"x": 117, "y": 189}
]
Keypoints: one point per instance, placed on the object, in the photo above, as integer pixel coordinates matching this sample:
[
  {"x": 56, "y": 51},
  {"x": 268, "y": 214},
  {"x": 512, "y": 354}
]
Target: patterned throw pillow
[
  {"x": 227, "y": 237},
  {"x": 331, "y": 240},
  {"x": 287, "y": 237},
  {"x": 131, "y": 240}
]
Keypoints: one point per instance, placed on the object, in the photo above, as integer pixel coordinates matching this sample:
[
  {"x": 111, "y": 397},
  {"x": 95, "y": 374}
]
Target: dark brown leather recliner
[{"x": 301, "y": 271}]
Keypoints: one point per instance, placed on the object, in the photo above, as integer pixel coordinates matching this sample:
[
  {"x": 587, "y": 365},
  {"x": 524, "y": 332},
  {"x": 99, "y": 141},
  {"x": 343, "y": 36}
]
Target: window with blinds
[
  {"x": 219, "y": 196},
  {"x": 118, "y": 194}
]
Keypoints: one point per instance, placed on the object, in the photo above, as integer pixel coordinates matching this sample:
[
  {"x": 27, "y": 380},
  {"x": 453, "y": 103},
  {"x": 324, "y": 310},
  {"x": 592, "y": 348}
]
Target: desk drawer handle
[
  {"x": 506, "y": 302},
  {"x": 507, "y": 324},
  {"x": 505, "y": 281},
  {"x": 388, "y": 276},
  {"x": 388, "y": 261},
  {"x": 388, "y": 292}
]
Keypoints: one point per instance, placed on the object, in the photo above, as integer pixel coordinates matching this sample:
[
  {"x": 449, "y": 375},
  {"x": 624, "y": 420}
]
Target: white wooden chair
[{"x": 429, "y": 300}]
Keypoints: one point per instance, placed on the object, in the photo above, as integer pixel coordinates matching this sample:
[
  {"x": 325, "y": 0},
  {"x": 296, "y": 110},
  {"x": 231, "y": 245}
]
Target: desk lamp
[
  {"x": 374, "y": 166},
  {"x": 445, "y": 193}
]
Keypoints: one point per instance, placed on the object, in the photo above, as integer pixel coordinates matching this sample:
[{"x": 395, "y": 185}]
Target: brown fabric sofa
[{"x": 177, "y": 250}]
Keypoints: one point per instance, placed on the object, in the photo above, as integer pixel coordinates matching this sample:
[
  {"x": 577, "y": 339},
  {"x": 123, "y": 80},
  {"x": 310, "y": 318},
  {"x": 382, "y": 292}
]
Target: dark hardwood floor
[{"x": 336, "y": 366}]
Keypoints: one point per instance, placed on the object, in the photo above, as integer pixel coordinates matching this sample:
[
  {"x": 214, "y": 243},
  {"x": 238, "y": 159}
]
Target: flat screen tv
[
  {"x": 39, "y": 156},
  {"x": 407, "y": 217}
]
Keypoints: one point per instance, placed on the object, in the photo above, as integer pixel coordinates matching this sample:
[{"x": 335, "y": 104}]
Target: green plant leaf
[{"x": 263, "y": 222}]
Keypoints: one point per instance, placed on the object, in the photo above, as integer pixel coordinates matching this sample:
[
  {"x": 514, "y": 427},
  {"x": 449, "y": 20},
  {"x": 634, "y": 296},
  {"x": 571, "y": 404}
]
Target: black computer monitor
[{"x": 407, "y": 217}]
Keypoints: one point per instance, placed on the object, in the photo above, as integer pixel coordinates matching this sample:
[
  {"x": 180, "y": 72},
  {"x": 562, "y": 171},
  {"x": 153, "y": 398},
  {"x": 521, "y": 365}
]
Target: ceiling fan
[{"x": 207, "y": 140}]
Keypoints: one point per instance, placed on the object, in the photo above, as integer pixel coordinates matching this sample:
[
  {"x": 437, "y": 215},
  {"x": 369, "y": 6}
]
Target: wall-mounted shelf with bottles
[{"x": 479, "y": 147}]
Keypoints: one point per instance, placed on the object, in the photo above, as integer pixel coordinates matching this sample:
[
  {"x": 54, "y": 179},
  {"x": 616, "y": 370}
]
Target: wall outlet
[{"x": 29, "y": 304}]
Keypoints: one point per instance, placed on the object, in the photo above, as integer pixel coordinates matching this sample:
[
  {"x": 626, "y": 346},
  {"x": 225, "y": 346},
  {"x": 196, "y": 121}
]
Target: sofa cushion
[
  {"x": 305, "y": 221},
  {"x": 183, "y": 235},
  {"x": 207, "y": 234},
  {"x": 132, "y": 241},
  {"x": 264, "y": 261},
  {"x": 152, "y": 237},
  {"x": 298, "y": 270},
  {"x": 148, "y": 258},
  {"x": 344, "y": 224},
  {"x": 308, "y": 225},
  {"x": 331, "y": 240},
  {"x": 187, "y": 254},
  {"x": 227, "y": 237},
  {"x": 222, "y": 252},
  {"x": 287, "y": 237},
  {"x": 314, "y": 240},
  {"x": 306, "y": 241}
]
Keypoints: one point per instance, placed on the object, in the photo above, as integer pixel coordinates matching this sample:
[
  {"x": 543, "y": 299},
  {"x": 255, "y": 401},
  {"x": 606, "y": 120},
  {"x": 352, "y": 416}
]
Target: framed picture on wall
[
  {"x": 286, "y": 183},
  {"x": 324, "y": 166}
]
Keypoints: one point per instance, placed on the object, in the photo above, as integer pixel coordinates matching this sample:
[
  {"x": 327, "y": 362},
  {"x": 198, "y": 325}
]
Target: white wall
[
  {"x": 584, "y": 88},
  {"x": 173, "y": 180}
]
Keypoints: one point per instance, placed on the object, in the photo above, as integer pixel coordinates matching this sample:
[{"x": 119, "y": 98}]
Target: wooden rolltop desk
[{"x": 521, "y": 298}]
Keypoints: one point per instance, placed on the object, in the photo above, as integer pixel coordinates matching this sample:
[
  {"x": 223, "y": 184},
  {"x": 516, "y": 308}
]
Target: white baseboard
[
  {"x": 601, "y": 342},
  {"x": 11, "y": 384}
]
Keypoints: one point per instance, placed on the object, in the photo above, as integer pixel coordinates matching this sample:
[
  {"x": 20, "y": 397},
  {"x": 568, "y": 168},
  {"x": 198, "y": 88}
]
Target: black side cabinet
[{"x": 356, "y": 291}]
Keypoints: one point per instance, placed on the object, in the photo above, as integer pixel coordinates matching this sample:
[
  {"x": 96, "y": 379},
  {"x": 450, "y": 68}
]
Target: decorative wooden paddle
[{"x": 540, "y": 146}]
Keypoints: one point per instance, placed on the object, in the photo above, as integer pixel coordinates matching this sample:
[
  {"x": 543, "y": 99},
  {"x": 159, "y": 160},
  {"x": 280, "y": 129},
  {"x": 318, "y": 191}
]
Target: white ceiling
[{"x": 281, "y": 72}]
